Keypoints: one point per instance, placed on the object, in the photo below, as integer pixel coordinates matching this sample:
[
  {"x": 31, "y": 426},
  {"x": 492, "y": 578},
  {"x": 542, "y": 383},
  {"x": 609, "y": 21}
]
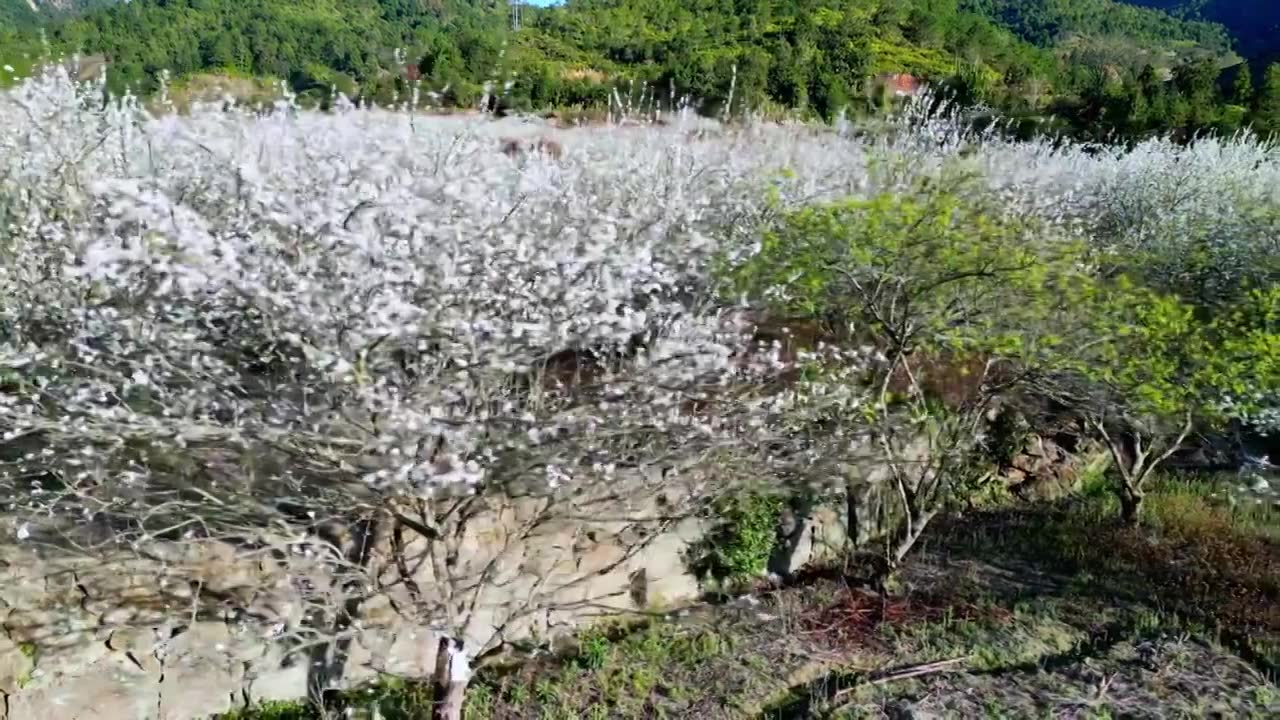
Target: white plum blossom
[
  {"x": 224, "y": 321},
  {"x": 227, "y": 308}
]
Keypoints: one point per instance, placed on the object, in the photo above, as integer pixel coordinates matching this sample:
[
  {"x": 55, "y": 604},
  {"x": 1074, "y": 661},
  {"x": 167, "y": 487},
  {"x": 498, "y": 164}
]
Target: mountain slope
[
  {"x": 16, "y": 14},
  {"x": 1048, "y": 22},
  {"x": 1024, "y": 57},
  {"x": 1255, "y": 24},
  {"x": 282, "y": 38}
]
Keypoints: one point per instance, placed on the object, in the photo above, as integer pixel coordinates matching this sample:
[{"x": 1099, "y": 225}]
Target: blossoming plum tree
[
  {"x": 328, "y": 339},
  {"x": 333, "y": 341}
]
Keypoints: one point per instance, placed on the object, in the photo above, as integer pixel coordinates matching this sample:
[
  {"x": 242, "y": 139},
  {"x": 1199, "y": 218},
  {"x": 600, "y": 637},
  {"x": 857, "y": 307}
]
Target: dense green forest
[
  {"x": 1046, "y": 22},
  {"x": 16, "y": 14},
  {"x": 1101, "y": 67},
  {"x": 28, "y": 14},
  {"x": 1255, "y": 24}
]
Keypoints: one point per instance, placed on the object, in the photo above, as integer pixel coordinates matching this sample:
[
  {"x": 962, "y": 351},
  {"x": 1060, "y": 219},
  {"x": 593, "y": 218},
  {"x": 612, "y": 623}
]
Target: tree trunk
[
  {"x": 796, "y": 518},
  {"x": 910, "y": 535},
  {"x": 449, "y": 685},
  {"x": 1130, "y": 506}
]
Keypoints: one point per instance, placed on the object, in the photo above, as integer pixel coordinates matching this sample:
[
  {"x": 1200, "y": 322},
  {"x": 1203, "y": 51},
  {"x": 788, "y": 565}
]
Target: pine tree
[
  {"x": 1242, "y": 86},
  {"x": 1196, "y": 83},
  {"x": 1149, "y": 81},
  {"x": 1267, "y": 114}
]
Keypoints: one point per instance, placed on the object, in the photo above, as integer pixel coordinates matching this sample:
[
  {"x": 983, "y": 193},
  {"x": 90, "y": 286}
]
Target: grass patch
[
  {"x": 215, "y": 86},
  {"x": 995, "y": 639},
  {"x": 272, "y": 710},
  {"x": 612, "y": 671},
  {"x": 1196, "y": 555},
  {"x": 653, "y": 672},
  {"x": 390, "y": 698},
  {"x": 1200, "y": 505}
]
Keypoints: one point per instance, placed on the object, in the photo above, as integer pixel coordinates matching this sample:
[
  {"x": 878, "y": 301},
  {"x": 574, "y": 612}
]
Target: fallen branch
[
  {"x": 895, "y": 674},
  {"x": 911, "y": 671}
]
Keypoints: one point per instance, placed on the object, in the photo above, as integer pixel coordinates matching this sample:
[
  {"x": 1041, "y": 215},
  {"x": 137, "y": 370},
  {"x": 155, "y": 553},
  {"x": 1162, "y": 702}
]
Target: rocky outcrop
[
  {"x": 1044, "y": 468},
  {"x": 185, "y": 630},
  {"x": 182, "y": 630}
]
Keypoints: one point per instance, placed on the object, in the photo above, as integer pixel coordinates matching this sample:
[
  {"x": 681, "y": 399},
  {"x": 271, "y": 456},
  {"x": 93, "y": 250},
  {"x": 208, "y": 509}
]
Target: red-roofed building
[{"x": 901, "y": 84}]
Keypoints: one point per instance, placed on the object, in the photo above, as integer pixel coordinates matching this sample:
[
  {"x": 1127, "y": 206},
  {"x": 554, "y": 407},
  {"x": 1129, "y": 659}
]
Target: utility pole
[{"x": 515, "y": 14}]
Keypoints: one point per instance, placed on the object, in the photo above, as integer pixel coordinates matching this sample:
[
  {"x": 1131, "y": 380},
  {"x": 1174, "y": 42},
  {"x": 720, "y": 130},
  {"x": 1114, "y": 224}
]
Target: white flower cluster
[
  {"x": 1205, "y": 220},
  {"x": 386, "y": 297},
  {"x": 372, "y": 296}
]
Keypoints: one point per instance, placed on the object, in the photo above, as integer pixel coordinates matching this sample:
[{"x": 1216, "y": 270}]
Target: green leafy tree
[
  {"x": 1197, "y": 84},
  {"x": 969, "y": 85},
  {"x": 951, "y": 292},
  {"x": 1147, "y": 369},
  {"x": 225, "y": 50},
  {"x": 843, "y": 44}
]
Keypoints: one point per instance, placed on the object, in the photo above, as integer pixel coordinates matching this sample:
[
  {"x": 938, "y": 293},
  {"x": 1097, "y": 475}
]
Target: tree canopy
[{"x": 1103, "y": 66}]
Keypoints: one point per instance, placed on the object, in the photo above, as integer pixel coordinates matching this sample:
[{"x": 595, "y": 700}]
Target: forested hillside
[
  {"x": 1255, "y": 24},
  {"x": 30, "y": 13},
  {"x": 1047, "y": 22},
  {"x": 16, "y": 13},
  {"x": 1085, "y": 61},
  {"x": 791, "y": 49}
]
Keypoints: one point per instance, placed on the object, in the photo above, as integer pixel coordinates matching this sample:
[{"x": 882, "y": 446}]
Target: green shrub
[
  {"x": 739, "y": 547},
  {"x": 271, "y": 710}
]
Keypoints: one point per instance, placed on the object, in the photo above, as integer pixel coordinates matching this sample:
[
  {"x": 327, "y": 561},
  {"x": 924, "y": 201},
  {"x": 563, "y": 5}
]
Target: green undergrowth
[
  {"x": 737, "y": 549},
  {"x": 1197, "y": 553},
  {"x": 389, "y": 699},
  {"x": 656, "y": 671},
  {"x": 1033, "y": 637},
  {"x": 272, "y": 710}
]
